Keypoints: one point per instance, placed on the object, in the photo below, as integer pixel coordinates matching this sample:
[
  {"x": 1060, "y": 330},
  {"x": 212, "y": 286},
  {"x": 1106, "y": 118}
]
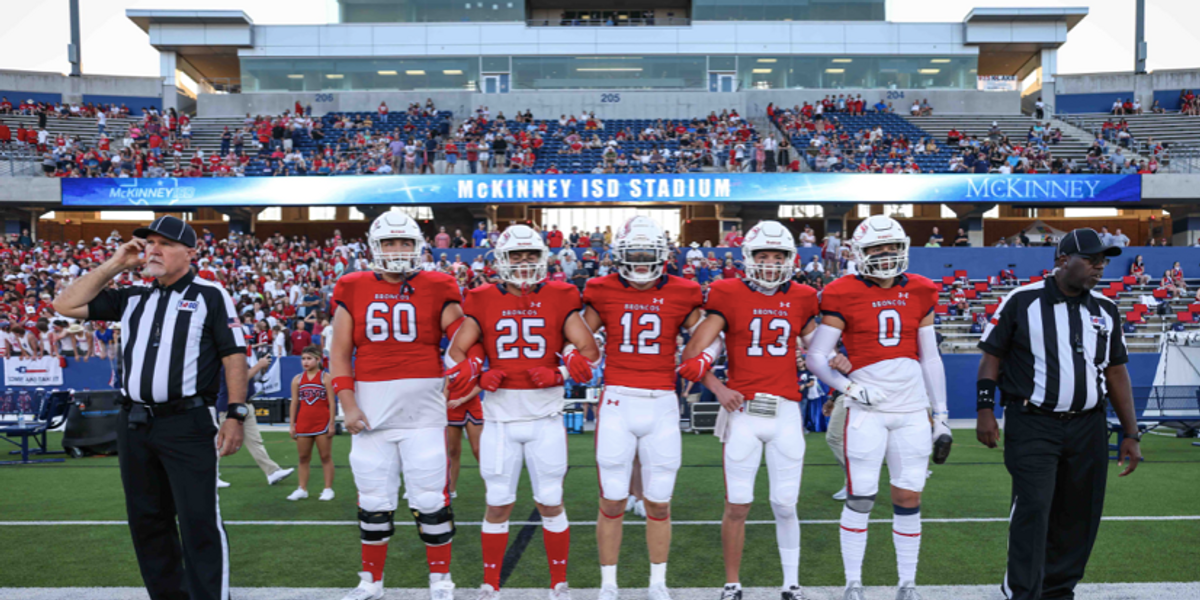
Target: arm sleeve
[
  {"x": 108, "y": 304},
  {"x": 935, "y": 372},
  {"x": 825, "y": 342},
  {"x": 223, "y": 325},
  {"x": 998, "y": 333}
]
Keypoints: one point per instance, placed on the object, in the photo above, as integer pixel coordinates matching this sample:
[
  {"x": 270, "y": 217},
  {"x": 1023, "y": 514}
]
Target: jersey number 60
[{"x": 403, "y": 323}]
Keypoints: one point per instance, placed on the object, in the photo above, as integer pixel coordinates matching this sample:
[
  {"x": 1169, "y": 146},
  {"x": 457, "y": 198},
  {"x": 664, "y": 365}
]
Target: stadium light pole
[
  {"x": 1139, "y": 41},
  {"x": 73, "y": 50}
]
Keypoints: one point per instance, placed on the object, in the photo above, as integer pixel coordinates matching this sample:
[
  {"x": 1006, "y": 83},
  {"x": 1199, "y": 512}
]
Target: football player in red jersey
[
  {"x": 523, "y": 325},
  {"x": 885, "y": 318},
  {"x": 395, "y": 316},
  {"x": 642, "y": 311},
  {"x": 761, "y": 317}
]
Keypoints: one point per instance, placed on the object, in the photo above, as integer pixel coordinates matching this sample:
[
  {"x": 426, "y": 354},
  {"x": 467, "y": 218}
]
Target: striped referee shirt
[
  {"x": 1055, "y": 348},
  {"x": 172, "y": 337}
]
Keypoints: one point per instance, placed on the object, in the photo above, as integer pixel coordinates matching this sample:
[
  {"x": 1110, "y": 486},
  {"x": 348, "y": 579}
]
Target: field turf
[{"x": 974, "y": 484}]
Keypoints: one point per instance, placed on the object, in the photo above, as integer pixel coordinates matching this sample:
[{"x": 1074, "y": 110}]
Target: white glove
[
  {"x": 940, "y": 428},
  {"x": 858, "y": 393}
]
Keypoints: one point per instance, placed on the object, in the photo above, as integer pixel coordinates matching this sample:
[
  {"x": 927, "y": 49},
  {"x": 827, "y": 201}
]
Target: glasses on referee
[{"x": 1096, "y": 260}]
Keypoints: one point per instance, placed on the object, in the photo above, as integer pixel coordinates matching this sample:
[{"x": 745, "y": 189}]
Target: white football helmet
[
  {"x": 395, "y": 225},
  {"x": 521, "y": 238},
  {"x": 640, "y": 243},
  {"x": 876, "y": 231},
  {"x": 769, "y": 235}
]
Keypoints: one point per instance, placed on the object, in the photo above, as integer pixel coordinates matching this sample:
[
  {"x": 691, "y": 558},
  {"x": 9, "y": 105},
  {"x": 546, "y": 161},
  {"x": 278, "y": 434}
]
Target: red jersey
[
  {"x": 397, "y": 326},
  {"x": 760, "y": 334},
  {"x": 881, "y": 323},
  {"x": 642, "y": 326},
  {"x": 522, "y": 332}
]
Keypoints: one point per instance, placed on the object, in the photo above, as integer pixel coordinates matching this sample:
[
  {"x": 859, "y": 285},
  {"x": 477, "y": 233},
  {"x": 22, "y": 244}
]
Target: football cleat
[
  {"x": 560, "y": 592},
  {"x": 441, "y": 590},
  {"x": 731, "y": 593},
  {"x": 792, "y": 593},
  {"x": 608, "y": 592},
  {"x": 366, "y": 590},
  {"x": 907, "y": 591},
  {"x": 658, "y": 591},
  {"x": 639, "y": 509},
  {"x": 221, "y": 483},
  {"x": 854, "y": 591},
  {"x": 487, "y": 592}
]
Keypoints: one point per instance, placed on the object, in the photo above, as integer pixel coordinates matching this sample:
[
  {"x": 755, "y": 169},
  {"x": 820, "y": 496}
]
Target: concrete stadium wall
[
  {"x": 961, "y": 370},
  {"x": 73, "y": 89},
  {"x": 135, "y": 103},
  {"x": 612, "y": 104},
  {"x": 1095, "y": 92},
  {"x": 30, "y": 190}
]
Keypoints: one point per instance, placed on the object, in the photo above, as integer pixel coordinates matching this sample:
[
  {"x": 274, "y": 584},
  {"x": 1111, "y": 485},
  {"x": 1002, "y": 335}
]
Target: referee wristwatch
[
  {"x": 239, "y": 411},
  {"x": 1137, "y": 437}
]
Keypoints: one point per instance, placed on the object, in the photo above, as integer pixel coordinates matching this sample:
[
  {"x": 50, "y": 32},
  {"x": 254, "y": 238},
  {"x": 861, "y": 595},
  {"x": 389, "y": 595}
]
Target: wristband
[
  {"x": 342, "y": 383},
  {"x": 985, "y": 394}
]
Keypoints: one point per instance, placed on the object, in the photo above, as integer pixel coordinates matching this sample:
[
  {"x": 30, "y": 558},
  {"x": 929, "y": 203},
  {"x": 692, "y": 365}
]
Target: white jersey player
[{"x": 885, "y": 318}]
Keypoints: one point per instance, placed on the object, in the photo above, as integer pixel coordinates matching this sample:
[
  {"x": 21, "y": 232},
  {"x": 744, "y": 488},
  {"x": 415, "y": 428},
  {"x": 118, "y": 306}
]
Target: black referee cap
[
  {"x": 1085, "y": 241},
  {"x": 172, "y": 228}
]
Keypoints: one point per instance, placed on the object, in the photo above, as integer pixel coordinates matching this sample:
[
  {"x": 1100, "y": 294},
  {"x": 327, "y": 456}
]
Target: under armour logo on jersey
[
  {"x": 558, "y": 562},
  {"x": 535, "y": 305},
  {"x": 785, "y": 305},
  {"x": 490, "y": 565},
  {"x": 614, "y": 402},
  {"x": 659, "y": 300},
  {"x": 902, "y": 295}
]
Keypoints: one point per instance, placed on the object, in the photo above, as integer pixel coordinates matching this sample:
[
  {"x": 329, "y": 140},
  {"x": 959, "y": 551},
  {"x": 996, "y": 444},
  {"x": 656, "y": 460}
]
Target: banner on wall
[
  {"x": 798, "y": 188},
  {"x": 45, "y": 371}
]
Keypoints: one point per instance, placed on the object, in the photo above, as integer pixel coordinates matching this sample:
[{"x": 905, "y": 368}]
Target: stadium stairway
[
  {"x": 81, "y": 127},
  {"x": 892, "y": 125},
  {"x": 1171, "y": 128},
  {"x": 1016, "y": 127}
]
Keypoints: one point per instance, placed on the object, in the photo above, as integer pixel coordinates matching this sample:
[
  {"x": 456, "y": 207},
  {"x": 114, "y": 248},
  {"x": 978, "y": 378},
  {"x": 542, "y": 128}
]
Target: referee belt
[
  {"x": 170, "y": 408},
  {"x": 1031, "y": 408}
]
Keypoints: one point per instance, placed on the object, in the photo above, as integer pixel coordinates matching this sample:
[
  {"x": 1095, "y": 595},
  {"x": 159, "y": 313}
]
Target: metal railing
[
  {"x": 20, "y": 162},
  {"x": 652, "y": 22}
]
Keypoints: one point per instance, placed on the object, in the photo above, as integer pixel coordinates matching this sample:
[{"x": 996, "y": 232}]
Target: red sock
[
  {"x": 494, "y": 546},
  {"x": 373, "y": 557},
  {"x": 558, "y": 547},
  {"x": 438, "y": 558}
]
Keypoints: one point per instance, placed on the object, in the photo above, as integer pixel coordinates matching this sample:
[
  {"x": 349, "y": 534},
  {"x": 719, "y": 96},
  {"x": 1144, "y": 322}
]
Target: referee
[
  {"x": 176, "y": 334},
  {"x": 1057, "y": 350}
]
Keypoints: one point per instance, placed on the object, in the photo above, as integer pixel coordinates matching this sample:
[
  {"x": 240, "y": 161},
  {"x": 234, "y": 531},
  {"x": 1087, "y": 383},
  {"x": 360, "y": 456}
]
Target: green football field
[{"x": 277, "y": 551}]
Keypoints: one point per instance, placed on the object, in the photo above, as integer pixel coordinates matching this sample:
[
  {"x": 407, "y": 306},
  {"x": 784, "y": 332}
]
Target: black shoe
[
  {"x": 731, "y": 593},
  {"x": 792, "y": 593}
]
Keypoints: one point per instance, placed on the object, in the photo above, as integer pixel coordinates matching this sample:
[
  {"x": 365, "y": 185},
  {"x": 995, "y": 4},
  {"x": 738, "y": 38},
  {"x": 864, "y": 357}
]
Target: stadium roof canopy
[
  {"x": 207, "y": 41},
  {"x": 1010, "y": 38}
]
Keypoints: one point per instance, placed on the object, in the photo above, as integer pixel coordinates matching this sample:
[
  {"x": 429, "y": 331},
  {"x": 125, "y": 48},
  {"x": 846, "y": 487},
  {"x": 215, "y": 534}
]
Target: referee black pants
[
  {"x": 1059, "y": 469},
  {"x": 169, "y": 470}
]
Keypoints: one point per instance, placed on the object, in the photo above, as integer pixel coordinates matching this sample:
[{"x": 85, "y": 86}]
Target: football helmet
[
  {"x": 521, "y": 238},
  {"x": 769, "y": 235},
  {"x": 395, "y": 225},
  {"x": 640, "y": 243},
  {"x": 877, "y": 231}
]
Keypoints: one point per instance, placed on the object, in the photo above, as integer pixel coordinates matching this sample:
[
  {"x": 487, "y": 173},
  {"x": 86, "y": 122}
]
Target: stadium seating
[
  {"x": 893, "y": 126},
  {"x": 1171, "y": 128},
  {"x": 1014, "y": 126}
]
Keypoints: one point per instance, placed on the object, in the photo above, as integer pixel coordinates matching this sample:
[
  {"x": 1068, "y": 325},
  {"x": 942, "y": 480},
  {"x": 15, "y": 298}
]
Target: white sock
[
  {"x": 608, "y": 575},
  {"x": 854, "y": 542},
  {"x": 557, "y": 524},
  {"x": 906, "y": 535},
  {"x": 736, "y": 586},
  {"x": 787, "y": 535},
  {"x": 658, "y": 573},
  {"x": 490, "y": 527},
  {"x": 436, "y": 577}
]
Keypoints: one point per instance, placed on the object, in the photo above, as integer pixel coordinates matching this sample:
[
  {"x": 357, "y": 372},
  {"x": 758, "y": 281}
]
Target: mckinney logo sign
[{"x": 1047, "y": 187}]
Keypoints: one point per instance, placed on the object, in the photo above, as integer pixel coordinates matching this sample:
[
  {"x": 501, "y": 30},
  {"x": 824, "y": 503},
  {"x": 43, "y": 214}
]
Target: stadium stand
[
  {"x": 1014, "y": 127},
  {"x": 1172, "y": 129},
  {"x": 895, "y": 142}
]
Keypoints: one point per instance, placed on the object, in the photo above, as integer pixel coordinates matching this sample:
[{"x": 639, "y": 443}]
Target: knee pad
[
  {"x": 784, "y": 511},
  {"x": 549, "y": 494},
  {"x": 861, "y": 504},
  {"x": 435, "y": 528},
  {"x": 376, "y": 526},
  {"x": 427, "y": 502}
]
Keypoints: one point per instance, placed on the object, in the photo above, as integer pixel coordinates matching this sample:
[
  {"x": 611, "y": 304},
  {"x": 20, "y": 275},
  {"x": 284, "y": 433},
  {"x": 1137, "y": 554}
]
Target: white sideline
[
  {"x": 587, "y": 523},
  {"x": 1091, "y": 591}
]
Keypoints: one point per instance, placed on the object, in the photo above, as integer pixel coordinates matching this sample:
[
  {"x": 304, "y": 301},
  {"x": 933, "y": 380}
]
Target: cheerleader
[{"x": 312, "y": 417}]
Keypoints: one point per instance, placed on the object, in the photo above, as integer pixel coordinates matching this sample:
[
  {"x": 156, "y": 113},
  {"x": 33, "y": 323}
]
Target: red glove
[
  {"x": 695, "y": 368},
  {"x": 461, "y": 378},
  {"x": 545, "y": 377},
  {"x": 578, "y": 367},
  {"x": 490, "y": 380}
]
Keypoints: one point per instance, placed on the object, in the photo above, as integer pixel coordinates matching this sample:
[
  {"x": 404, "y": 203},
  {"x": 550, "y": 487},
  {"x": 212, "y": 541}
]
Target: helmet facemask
[
  {"x": 884, "y": 264},
  {"x": 766, "y": 273},
  {"x": 641, "y": 260},
  {"x": 522, "y": 274},
  {"x": 395, "y": 261}
]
